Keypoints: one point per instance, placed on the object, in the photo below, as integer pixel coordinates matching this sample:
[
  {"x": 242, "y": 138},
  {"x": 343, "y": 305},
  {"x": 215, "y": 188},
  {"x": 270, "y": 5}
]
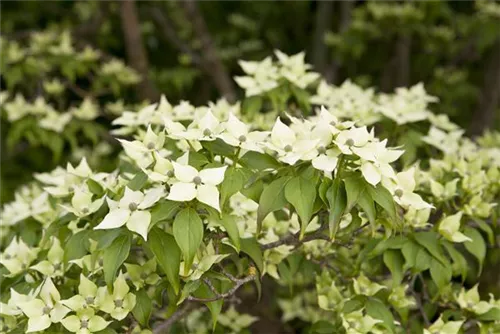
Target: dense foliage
[
  {"x": 314, "y": 203},
  {"x": 370, "y": 231}
]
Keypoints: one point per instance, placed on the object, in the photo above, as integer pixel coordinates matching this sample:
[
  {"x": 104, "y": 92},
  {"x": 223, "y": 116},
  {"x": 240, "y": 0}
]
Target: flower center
[
  {"x": 170, "y": 173},
  {"x": 242, "y": 138},
  {"x": 46, "y": 310},
  {"x": 321, "y": 150},
  {"x": 207, "y": 132},
  {"x": 288, "y": 148},
  {"x": 7, "y": 256},
  {"x": 349, "y": 142},
  {"x": 100, "y": 262},
  {"x": 85, "y": 210},
  {"x": 150, "y": 146},
  {"x": 144, "y": 276},
  {"x": 57, "y": 266},
  {"x": 197, "y": 180},
  {"x": 132, "y": 206},
  {"x": 84, "y": 324},
  {"x": 398, "y": 192},
  {"x": 118, "y": 303}
]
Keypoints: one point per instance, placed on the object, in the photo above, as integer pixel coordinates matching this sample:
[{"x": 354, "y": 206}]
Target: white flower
[
  {"x": 471, "y": 301},
  {"x": 353, "y": 138},
  {"x": 200, "y": 185},
  {"x": 12, "y": 306},
  {"x": 208, "y": 127},
  {"x": 87, "y": 110},
  {"x": 162, "y": 171},
  {"x": 262, "y": 77},
  {"x": 87, "y": 295},
  {"x": 131, "y": 211},
  {"x": 447, "y": 142},
  {"x": 82, "y": 204},
  {"x": 84, "y": 322},
  {"x": 236, "y": 133},
  {"x": 449, "y": 228},
  {"x": 140, "y": 151},
  {"x": 295, "y": 70},
  {"x": 289, "y": 148},
  {"x": 53, "y": 266},
  {"x": 449, "y": 327},
  {"x": 55, "y": 121},
  {"x": 17, "y": 256},
  {"x": 403, "y": 188},
  {"x": 120, "y": 302},
  {"x": 45, "y": 310}
]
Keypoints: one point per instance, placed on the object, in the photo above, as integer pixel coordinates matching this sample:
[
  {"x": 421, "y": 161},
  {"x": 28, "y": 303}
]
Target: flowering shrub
[{"x": 374, "y": 212}]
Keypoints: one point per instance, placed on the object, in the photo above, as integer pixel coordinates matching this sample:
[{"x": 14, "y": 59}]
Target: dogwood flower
[
  {"x": 295, "y": 69},
  {"x": 441, "y": 327},
  {"x": 53, "y": 266},
  {"x": 363, "y": 286},
  {"x": 402, "y": 188},
  {"x": 470, "y": 300},
  {"x": 238, "y": 134},
  {"x": 353, "y": 138},
  {"x": 55, "y": 121},
  {"x": 288, "y": 147},
  {"x": 120, "y": 302},
  {"x": 85, "y": 321},
  {"x": 200, "y": 185},
  {"x": 87, "y": 295},
  {"x": 141, "y": 275},
  {"x": 207, "y": 128},
  {"x": 131, "y": 211},
  {"x": 17, "y": 256},
  {"x": 87, "y": 110},
  {"x": 447, "y": 142},
  {"x": 140, "y": 150},
  {"x": 449, "y": 228},
  {"x": 261, "y": 76},
  {"x": 12, "y": 306},
  {"x": 44, "y": 310},
  {"x": 358, "y": 323},
  {"x": 162, "y": 170},
  {"x": 82, "y": 204}
]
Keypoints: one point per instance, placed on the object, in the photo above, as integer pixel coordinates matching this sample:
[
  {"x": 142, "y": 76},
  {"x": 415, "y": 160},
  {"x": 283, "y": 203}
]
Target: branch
[
  {"x": 176, "y": 316},
  {"x": 212, "y": 62},
  {"x": 136, "y": 53},
  {"x": 238, "y": 283}
]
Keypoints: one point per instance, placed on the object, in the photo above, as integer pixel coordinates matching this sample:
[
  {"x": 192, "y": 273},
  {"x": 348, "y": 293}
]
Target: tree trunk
[
  {"x": 211, "y": 62},
  {"x": 396, "y": 72},
  {"x": 487, "y": 109},
  {"x": 346, "y": 7},
  {"x": 136, "y": 53},
  {"x": 323, "y": 22}
]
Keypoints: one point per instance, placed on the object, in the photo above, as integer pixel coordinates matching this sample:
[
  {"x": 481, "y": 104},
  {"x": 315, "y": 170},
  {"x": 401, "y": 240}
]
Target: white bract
[
  {"x": 449, "y": 228},
  {"x": 131, "y": 210},
  {"x": 201, "y": 185},
  {"x": 236, "y": 133}
]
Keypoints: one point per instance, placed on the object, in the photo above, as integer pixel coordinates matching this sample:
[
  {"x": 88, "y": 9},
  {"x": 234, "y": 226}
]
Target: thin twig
[
  {"x": 176, "y": 316},
  {"x": 218, "y": 296}
]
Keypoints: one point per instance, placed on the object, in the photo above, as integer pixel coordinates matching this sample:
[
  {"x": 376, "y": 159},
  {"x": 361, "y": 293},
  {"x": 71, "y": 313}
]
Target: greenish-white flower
[
  {"x": 238, "y": 134},
  {"x": 261, "y": 76},
  {"x": 54, "y": 265},
  {"x": 132, "y": 211},
  {"x": 55, "y": 121},
  {"x": 403, "y": 187},
  {"x": 358, "y": 323},
  {"x": 235, "y": 321},
  {"x": 87, "y": 110},
  {"x": 44, "y": 310},
  {"x": 86, "y": 298},
  {"x": 119, "y": 303},
  {"x": 363, "y": 286},
  {"x": 82, "y": 204},
  {"x": 84, "y": 322},
  {"x": 295, "y": 69},
  {"x": 441, "y": 327},
  {"x": 140, "y": 150},
  {"x": 449, "y": 228},
  {"x": 201, "y": 185},
  {"x": 470, "y": 300},
  {"x": 17, "y": 257},
  {"x": 141, "y": 275}
]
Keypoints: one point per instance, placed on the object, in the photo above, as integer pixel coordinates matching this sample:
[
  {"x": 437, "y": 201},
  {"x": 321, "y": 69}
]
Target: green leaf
[
  {"x": 95, "y": 187},
  {"x": 114, "y": 256},
  {"x": 258, "y": 161},
  {"x": 430, "y": 240},
  {"x": 167, "y": 254},
  {"x": 441, "y": 274},
  {"x": 354, "y": 186},
  {"x": 188, "y": 233},
  {"x": 77, "y": 246},
  {"x": 486, "y": 229},
  {"x": 354, "y": 304},
  {"x": 323, "y": 189},
  {"x": 252, "y": 104},
  {"x": 460, "y": 265},
  {"x": 164, "y": 211},
  {"x": 301, "y": 193},
  {"x": 365, "y": 201},
  {"x": 394, "y": 261},
  {"x": 219, "y": 147},
  {"x": 229, "y": 224},
  {"x": 337, "y": 200},
  {"x": 416, "y": 257},
  {"x": 492, "y": 315},
  {"x": 197, "y": 160},
  {"x": 104, "y": 238},
  {"x": 477, "y": 246},
  {"x": 143, "y": 307},
  {"x": 254, "y": 191},
  {"x": 251, "y": 247},
  {"x": 187, "y": 289},
  {"x": 378, "y": 310},
  {"x": 271, "y": 199},
  {"x": 215, "y": 307},
  {"x": 138, "y": 181},
  {"x": 234, "y": 180},
  {"x": 384, "y": 198}
]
